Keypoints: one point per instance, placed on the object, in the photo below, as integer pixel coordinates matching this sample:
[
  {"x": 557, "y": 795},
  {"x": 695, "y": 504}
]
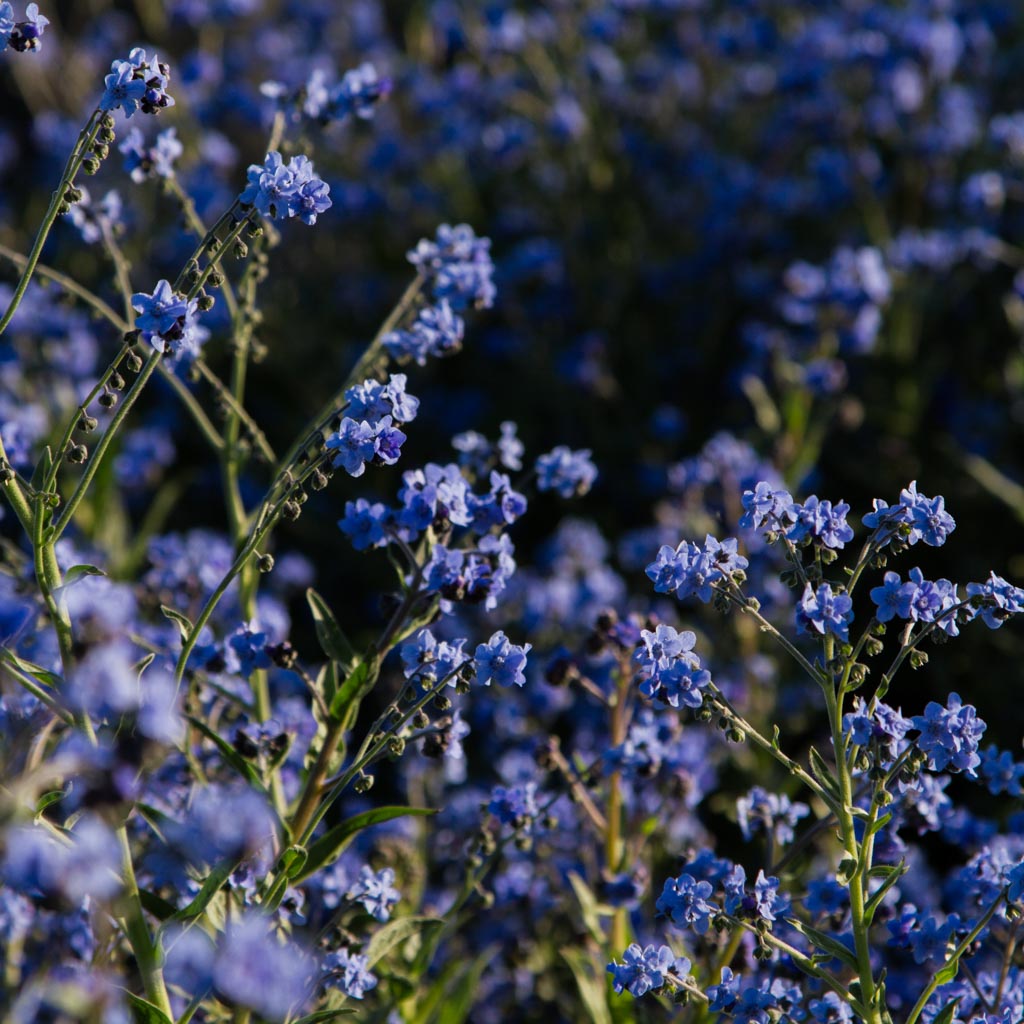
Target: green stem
[
  {"x": 108, "y": 436},
  {"x": 961, "y": 948},
  {"x": 85, "y": 140},
  {"x": 858, "y": 917},
  {"x": 147, "y": 955}
]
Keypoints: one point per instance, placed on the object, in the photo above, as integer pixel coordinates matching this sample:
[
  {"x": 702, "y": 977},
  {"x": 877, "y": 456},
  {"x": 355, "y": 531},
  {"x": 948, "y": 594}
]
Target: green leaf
[
  {"x": 949, "y": 972},
  {"x": 451, "y": 994},
  {"x": 144, "y": 1012},
  {"x": 394, "y": 933},
  {"x": 826, "y": 943},
  {"x": 890, "y": 875},
  {"x": 880, "y": 824},
  {"x": 230, "y": 755},
  {"x": 183, "y": 623},
  {"x": 332, "y": 640},
  {"x": 30, "y": 668},
  {"x": 156, "y": 905},
  {"x": 77, "y": 572},
  {"x": 588, "y": 906},
  {"x": 293, "y": 860},
  {"x": 345, "y": 703},
  {"x": 329, "y": 846},
  {"x": 216, "y": 878},
  {"x": 50, "y": 798},
  {"x": 590, "y": 984},
  {"x": 42, "y": 469},
  {"x": 823, "y": 773},
  {"x": 948, "y": 1012}
]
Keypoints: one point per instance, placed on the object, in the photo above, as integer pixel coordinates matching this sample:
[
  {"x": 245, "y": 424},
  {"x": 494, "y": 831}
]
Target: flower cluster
[
  {"x": 138, "y": 83},
  {"x": 143, "y": 161},
  {"x": 278, "y": 189},
  {"x": 690, "y": 570},
  {"x": 21, "y": 35},
  {"x": 168, "y": 320}
]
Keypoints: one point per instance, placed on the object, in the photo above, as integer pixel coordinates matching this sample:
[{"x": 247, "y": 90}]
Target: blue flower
[
  {"x": 257, "y": 970},
  {"x": 950, "y": 735},
  {"x": 427, "y": 660},
  {"x": 685, "y": 901},
  {"x": 168, "y": 320},
  {"x": 276, "y": 189},
  {"x": 458, "y": 265},
  {"x": 893, "y": 598},
  {"x": 646, "y": 970},
  {"x": 514, "y": 805},
  {"x": 501, "y": 661},
  {"x": 349, "y": 972},
  {"x": 570, "y": 473},
  {"x": 353, "y": 445},
  {"x": 21, "y": 35},
  {"x": 137, "y": 84},
  {"x": 365, "y": 524},
  {"x": 723, "y": 996},
  {"x": 774, "y": 813},
  {"x": 767, "y": 508},
  {"x": 690, "y": 571},
  {"x": 824, "y": 611},
  {"x": 358, "y": 93},
  {"x": 997, "y": 600},
  {"x": 376, "y": 891},
  {"x": 156, "y": 161},
  {"x": 915, "y": 518},
  {"x": 821, "y": 522}
]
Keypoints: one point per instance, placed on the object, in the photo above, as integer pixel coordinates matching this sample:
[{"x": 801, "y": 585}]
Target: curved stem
[
  {"x": 108, "y": 436},
  {"x": 85, "y": 139}
]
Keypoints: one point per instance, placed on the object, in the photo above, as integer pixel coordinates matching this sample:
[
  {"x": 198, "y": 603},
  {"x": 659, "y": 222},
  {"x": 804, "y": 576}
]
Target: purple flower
[{"x": 997, "y": 600}]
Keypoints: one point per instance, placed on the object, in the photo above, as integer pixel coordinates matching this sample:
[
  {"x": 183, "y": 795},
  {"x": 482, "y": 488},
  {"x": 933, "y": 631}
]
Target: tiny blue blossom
[
  {"x": 685, "y": 900},
  {"x": 349, "y": 972},
  {"x": 376, "y": 891},
  {"x": 501, "y": 661},
  {"x": 950, "y": 735},
  {"x": 569, "y": 473},
  {"x": 824, "y": 611},
  {"x": 646, "y": 970}
]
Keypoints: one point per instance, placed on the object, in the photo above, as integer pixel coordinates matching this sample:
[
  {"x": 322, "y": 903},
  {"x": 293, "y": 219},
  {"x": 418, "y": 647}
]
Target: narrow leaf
[
  {"x": 947, "y": 1013},
  {"x": 588, "y": 907},
  {"x": 230, "y": 755},
  {"x": 345, "y": 703},
  {"x": 394, "y": 933},
  {"x": 329, "y": 846},
  {"x": 332, "y": 640},
  {"x": 183, "y": 623},
  {"x": 77, "y": 572},
  {"x": 216, "y": 878},
  {"x": 826, "y": 943},
  {"x": 144, "y": 1012},
  {"x": 591, "y": 985},
  {"x": 823, "y": 773}
]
